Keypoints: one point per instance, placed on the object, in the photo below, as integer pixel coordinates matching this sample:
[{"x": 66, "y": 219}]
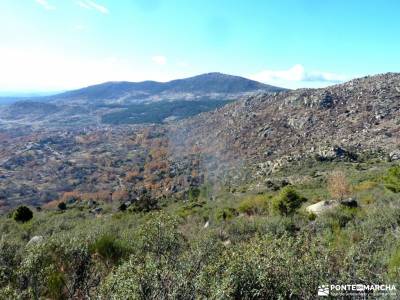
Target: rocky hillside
[
  {"x": 259, "y": 136},
  {"x": 351, "y": 121}
]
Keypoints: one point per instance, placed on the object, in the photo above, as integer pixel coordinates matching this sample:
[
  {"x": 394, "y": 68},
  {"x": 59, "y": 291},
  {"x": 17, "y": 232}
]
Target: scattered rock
[
  {"x": 97, "y": 210},
  {"x": 322, "y": 206},
  {"x": 227, "y": 242},
  {"x": 35, "y": 240},
  {"x": 394, "y": 155}
]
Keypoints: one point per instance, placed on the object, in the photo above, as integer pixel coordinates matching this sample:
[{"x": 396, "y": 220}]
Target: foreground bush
[
  {"x": 164, "y": 266},
  {"x": 288, "y": 201},
  {"x": 58, "y": 269},
  {"x": 392, "y": 179},
  {"x": 253, "y": 205},
  {"x": 22, "y": 214},
  {"x": 108, "y": 248}
]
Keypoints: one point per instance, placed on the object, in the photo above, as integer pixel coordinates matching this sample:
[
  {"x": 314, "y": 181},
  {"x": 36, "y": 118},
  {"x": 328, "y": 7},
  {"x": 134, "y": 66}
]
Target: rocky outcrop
[
  {"x": 268, "y": 131},
  {"x": 394, "y": 155},
  {"x": 322, "y": 206}
]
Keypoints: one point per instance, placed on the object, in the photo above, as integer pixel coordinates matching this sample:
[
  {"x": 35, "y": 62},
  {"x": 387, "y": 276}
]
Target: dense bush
[
  {"x": 252, "y": 205},
  {"x": 58, "y": 268},
  {"x": 145, "y": 203},
  {"x": 22, "y": 214},
  {"x": 62, "y": 206},
  {"x": 288, "y": 201},
  {"x": 224, "y": 214},
  {"x": 193, "y": 194},
  {"x": 122, "y": 207},
  {"x": 9, "y": 260},
  {"x": 108, "y": 248},
  {"x": 394, "y": 263},
  {"x": 392, "y": 179}
]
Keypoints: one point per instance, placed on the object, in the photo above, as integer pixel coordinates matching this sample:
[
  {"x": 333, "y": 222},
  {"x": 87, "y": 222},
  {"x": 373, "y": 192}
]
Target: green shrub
[
  {"x": 260, "y": 269},
  {"x": 190, "y": 209},
  {"x": 108, "y": 248},
  {"x": 122, "y": 207},
  {"x": 224, "y": 214},
  {"x": 252, "y": 205},
  {"x": 55, "y": 285},
  {"x": 57, "y": 268},
  {"x": 62, "y": 206},
  {"x": 9, "y": 260},
  {"x": 288, "y": 201},
  {"x": 145, "y": 203},
  {"x": 394, "y": 264},
  {"x": 339, "y": 217},
  {"x": 193, "y": 194},
  {"x": 392, "y": 179},
  {"x": 159, "y": 236},
  {"x": 165, "y": 275},
  {"x": 312, "y": 216},
  {"x": 22, "y": 214}
]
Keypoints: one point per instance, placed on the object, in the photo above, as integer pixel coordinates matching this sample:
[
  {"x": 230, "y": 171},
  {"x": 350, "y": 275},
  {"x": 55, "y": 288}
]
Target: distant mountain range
[
  {"x": 216, "y": 85},
  {"x": 136, "y": 102},
  {"x": 209, "y": 83}
]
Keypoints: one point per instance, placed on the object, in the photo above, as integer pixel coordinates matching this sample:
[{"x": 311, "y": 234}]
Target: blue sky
[{"x": 63, "y": 44}]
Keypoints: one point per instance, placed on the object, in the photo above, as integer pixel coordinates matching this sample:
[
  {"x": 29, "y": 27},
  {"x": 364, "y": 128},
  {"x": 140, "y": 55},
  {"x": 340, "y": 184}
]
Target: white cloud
[
  {"x": 298, "y": 73},
  {"x": 45, "y": 4},
  {"x": 159, "y": 59},
  {"x": 88, "y": 4},
  {"x": 297, "y": 76}
]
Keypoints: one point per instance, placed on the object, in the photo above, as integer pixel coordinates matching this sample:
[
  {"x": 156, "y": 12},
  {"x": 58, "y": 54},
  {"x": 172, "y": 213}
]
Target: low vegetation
[{"x": 243, "y": 244}]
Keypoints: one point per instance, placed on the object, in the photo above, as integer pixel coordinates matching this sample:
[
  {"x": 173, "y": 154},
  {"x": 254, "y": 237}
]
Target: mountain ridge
[
  {"x": 209, "y": 82},
  {"x": 126, "y": 102}
]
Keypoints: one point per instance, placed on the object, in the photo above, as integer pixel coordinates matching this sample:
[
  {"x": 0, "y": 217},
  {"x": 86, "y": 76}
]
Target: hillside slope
[
  {"x": 350, "y": 120},
  {"x": 258, "y": 137}
]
